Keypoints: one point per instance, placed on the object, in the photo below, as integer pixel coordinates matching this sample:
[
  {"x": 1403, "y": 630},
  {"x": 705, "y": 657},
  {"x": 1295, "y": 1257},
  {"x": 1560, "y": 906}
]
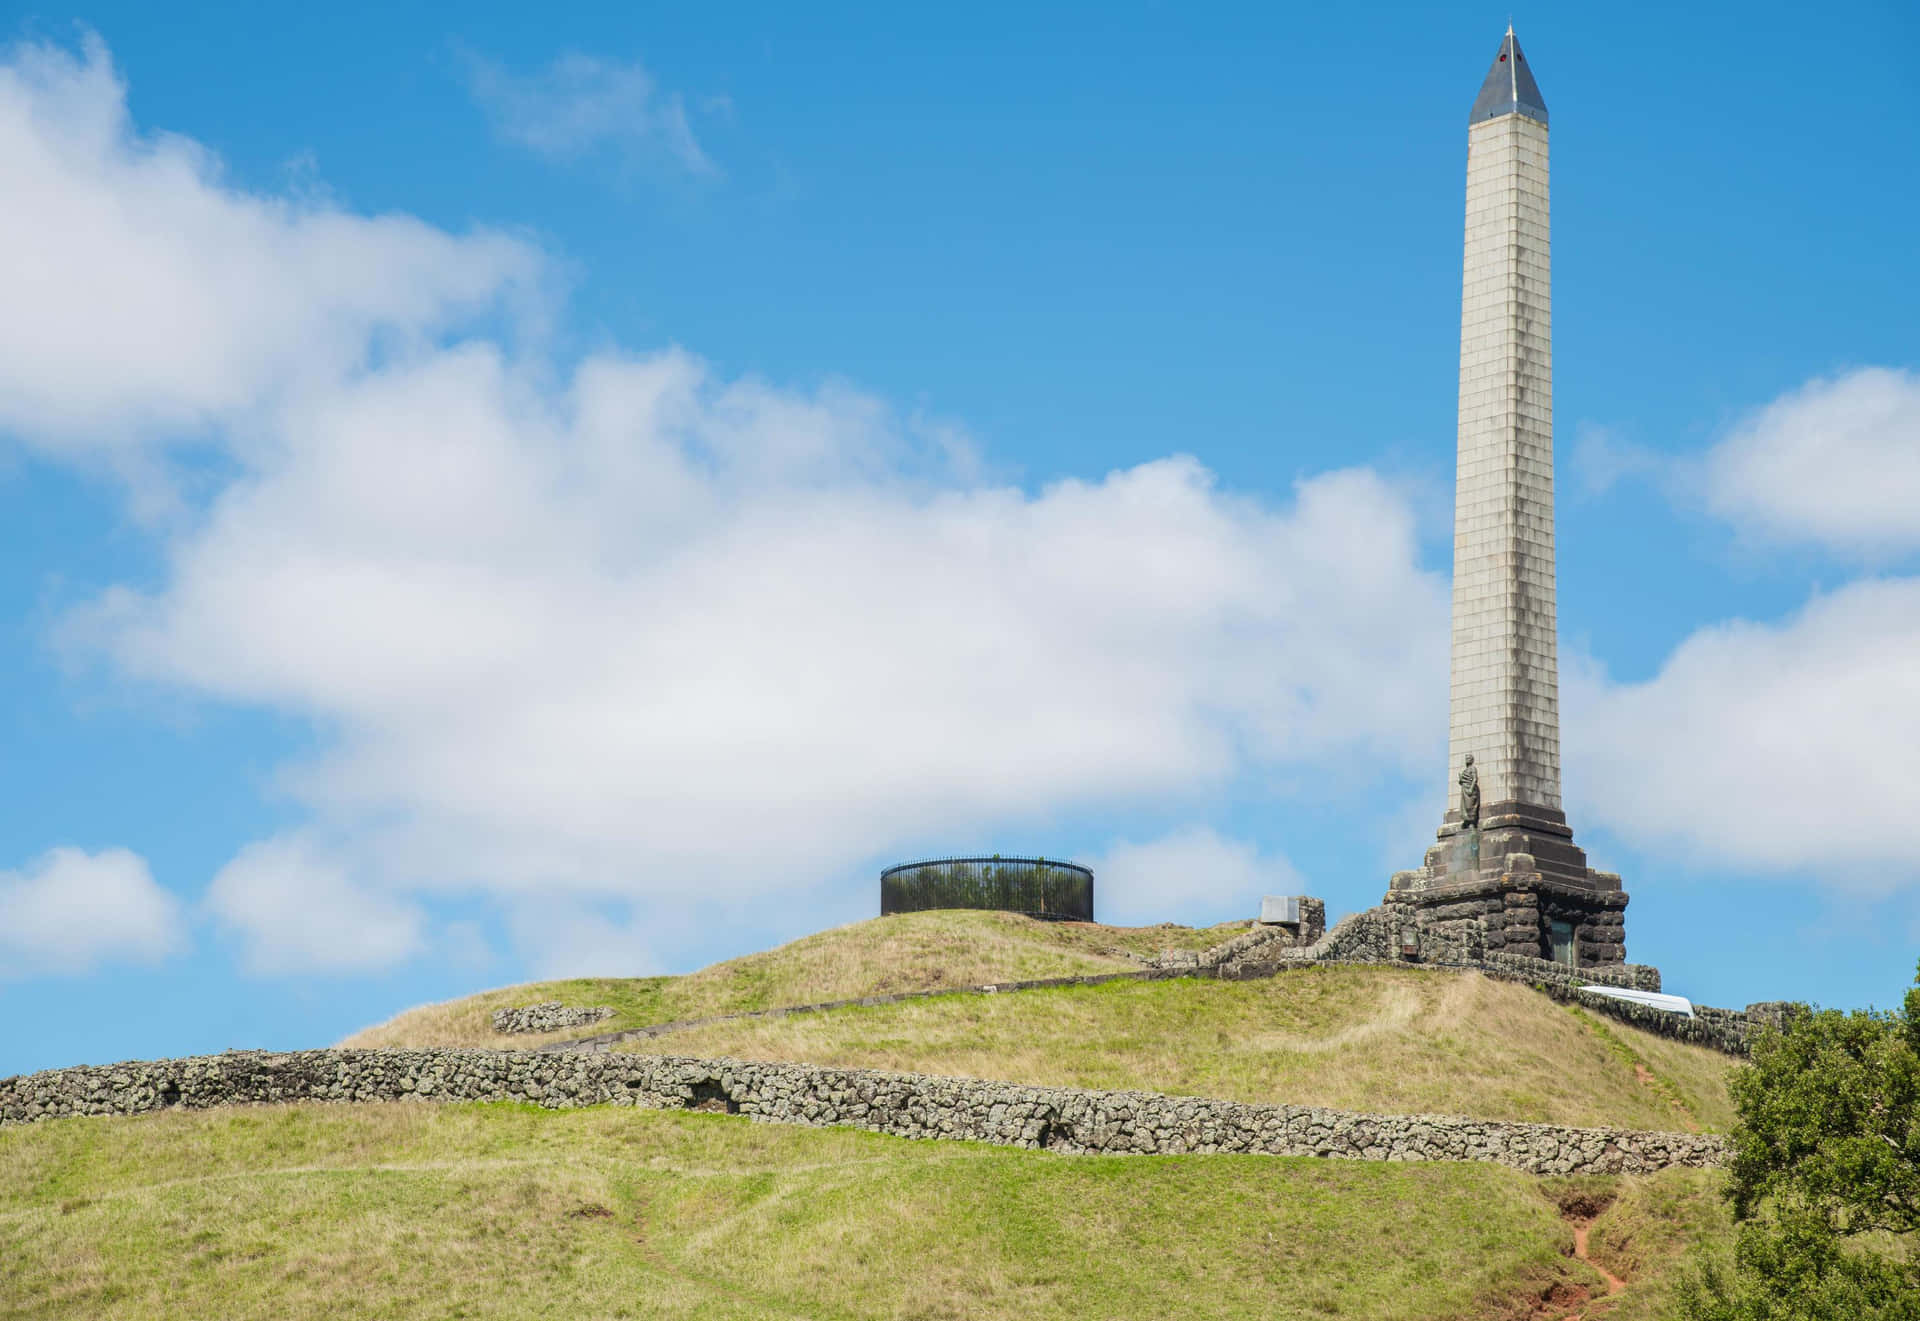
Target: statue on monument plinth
[{"x": 1470, "y": 795}]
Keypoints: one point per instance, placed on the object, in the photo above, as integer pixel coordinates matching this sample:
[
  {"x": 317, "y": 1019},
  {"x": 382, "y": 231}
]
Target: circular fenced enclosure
[{"x": 1038, "y": 887}]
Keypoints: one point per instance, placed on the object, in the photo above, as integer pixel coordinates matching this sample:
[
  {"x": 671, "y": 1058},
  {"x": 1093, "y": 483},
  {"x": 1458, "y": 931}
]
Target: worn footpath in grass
[
  {"x": 905, "y": 952},
  {"x": 484, "y": 1211},
  {"x": 1389, "y": 1040},
  {"x": 1647, "y": 1232}
]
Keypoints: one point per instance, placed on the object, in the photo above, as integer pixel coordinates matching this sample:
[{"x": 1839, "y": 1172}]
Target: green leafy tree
[{"x": 1825, "y": 1181}]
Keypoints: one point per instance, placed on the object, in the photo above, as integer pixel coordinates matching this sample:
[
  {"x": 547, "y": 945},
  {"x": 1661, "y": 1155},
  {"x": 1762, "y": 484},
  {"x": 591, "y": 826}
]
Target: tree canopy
[{"x": 1825, "y": 1179}]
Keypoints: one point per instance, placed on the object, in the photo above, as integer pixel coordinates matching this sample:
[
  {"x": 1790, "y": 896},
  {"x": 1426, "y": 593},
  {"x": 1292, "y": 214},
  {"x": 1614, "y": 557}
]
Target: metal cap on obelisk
[{"x": 1509, "y": 88}]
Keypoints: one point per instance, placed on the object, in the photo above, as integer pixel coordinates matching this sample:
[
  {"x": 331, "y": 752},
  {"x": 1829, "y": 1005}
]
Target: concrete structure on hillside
[{"x": 1505, "y": 875}]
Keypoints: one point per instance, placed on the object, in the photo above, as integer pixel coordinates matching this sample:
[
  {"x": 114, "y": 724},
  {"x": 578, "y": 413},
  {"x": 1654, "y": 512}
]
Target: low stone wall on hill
[
  {"x": 1726, "y": 1030},
  {"x": 1268, "y": 940},
  {"x": 548, "y": 1016},
  {"x": 1372, "y": 937},
  {"x": 1354, "y": 941},
  {"x": 906, "y": 1105}
]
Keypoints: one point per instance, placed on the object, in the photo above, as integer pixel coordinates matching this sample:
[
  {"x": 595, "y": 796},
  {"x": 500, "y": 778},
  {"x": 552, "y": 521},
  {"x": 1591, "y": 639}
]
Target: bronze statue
[{"x": 1470, "y": 795}]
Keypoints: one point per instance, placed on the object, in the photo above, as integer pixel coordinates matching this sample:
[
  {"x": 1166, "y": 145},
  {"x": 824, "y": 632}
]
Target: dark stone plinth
[{"x": 1504, "y": 885}]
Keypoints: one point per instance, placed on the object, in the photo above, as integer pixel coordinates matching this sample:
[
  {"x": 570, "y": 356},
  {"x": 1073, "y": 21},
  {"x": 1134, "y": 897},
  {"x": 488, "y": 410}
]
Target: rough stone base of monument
[{"x": 1516, "y": 884}]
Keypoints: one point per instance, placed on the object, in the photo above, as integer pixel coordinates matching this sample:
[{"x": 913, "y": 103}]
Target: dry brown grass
[
  {"x": 1388, "y": 1040},
  {"x": 907, "y": 952},
  {"x": 409, "y": 1210}
]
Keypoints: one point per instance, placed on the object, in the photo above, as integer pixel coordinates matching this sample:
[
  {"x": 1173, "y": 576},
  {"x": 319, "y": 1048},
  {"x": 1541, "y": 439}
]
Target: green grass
[
  {"x": 1648, "y": 1231},
  {"x": 411, "y": 1210},
  {"x": 906, "y": 952},
  {"x": 1391, "y": 1040}
]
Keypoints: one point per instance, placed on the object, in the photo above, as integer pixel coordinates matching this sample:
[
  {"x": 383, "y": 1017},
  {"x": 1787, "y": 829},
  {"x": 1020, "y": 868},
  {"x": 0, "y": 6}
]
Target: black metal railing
[{"x": 1038, "y": 887}]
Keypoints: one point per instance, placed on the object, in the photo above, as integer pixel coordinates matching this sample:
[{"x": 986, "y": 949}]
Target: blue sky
[{"x": 491, "y": 494}]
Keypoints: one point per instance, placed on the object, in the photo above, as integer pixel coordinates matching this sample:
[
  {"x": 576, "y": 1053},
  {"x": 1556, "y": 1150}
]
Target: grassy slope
[
  {"x": 1645, "y": 1233},
  {"x": 503, "y": 1211},
  {"x": 908, "y": 952},
  {"x": 1381, "y": 1039}
]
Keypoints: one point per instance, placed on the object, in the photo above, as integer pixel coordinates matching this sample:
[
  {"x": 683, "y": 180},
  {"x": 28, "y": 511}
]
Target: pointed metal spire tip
[{"x": 1509, "y": 88}]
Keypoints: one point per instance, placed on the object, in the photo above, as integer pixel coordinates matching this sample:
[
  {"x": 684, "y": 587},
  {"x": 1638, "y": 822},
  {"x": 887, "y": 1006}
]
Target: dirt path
[
  {"x": 1614, "y": 1283},
  {"x": 1567, "y": 1301}
]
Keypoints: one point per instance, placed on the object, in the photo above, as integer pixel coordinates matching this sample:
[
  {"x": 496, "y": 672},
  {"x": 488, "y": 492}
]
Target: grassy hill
[
  {"x": 1394, "y": 1040},
  {"x": 411, "y": 1210},
  {"x": 498, "y": 1211},
  {"x": 907, "y": 952}
]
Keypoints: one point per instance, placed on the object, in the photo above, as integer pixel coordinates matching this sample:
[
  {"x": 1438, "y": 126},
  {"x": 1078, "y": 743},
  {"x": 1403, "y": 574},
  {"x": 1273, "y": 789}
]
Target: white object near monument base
[
  {"x": 1673, "y": 1004},
  {"x": 1280, "y": 908}
]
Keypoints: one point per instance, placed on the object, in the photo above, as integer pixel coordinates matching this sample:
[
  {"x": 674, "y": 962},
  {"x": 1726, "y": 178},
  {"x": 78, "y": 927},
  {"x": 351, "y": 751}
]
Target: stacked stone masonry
[
  {"x": 1517, "y": 913},
  {"x": 1269, "y": 936},
  {"x": 1062, "y": 1119},
  {"x": 549, "y": 1016},
  {"x": 1376, "y": 936}
]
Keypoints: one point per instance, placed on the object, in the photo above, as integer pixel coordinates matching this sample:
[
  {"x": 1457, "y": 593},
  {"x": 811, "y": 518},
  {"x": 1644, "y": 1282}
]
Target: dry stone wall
[
  {"x": 902, "y": 1104},
  {"x": 547, "y": 1016},
  {"x": 1262, "y": 939},
  {"x": 1373, "y": 936}
]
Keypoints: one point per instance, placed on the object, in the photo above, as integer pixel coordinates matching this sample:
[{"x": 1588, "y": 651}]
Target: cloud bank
[
  {"x": 611, "y": 638},
  {"x": 666, "y": 629},
  {"x": 297, "y": 910},
  {"x": 1194, "y": 875},
  {"x": 70, "y": 912},
  {"x": 1834, "y": 464},
  {"x": 1785, "y": 747},
  {"x": 149, "y": 301},
  {"x": 631, "y": 631},
  {"x": 1789, "y": 746}
]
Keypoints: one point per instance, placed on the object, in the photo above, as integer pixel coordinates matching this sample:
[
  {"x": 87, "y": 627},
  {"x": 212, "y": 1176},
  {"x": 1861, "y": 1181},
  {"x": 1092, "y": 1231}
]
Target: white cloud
[
  {"x": 578, "y": 104},
  {"x": 70, "y": 911},
  {"x": 1835, "y": 463},
  {"x": 146, "y": 296},
  {"x": 665, "y": 628},
  {"x": 1792, "y": 747},
  {"x": 1193, "y": 875},
  {"x": 569, "y": 939},
  {"x": 635, "y": 631},
  {"x": 1789, "y": 746},
  {"x": 298, "y": 910}
]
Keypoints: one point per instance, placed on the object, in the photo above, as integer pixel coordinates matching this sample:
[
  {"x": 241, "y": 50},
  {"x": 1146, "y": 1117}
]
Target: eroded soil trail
[
  {"x": 1614, "y": 1283},
  {"x": 1564, "y": 1300}
]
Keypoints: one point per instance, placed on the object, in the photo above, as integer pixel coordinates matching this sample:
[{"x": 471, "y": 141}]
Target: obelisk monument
[{"x": 1506, "y": 857}]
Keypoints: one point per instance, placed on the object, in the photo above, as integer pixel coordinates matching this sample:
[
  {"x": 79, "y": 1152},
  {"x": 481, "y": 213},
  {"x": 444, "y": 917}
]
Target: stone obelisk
[{"x": 1506, "y": 862}]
